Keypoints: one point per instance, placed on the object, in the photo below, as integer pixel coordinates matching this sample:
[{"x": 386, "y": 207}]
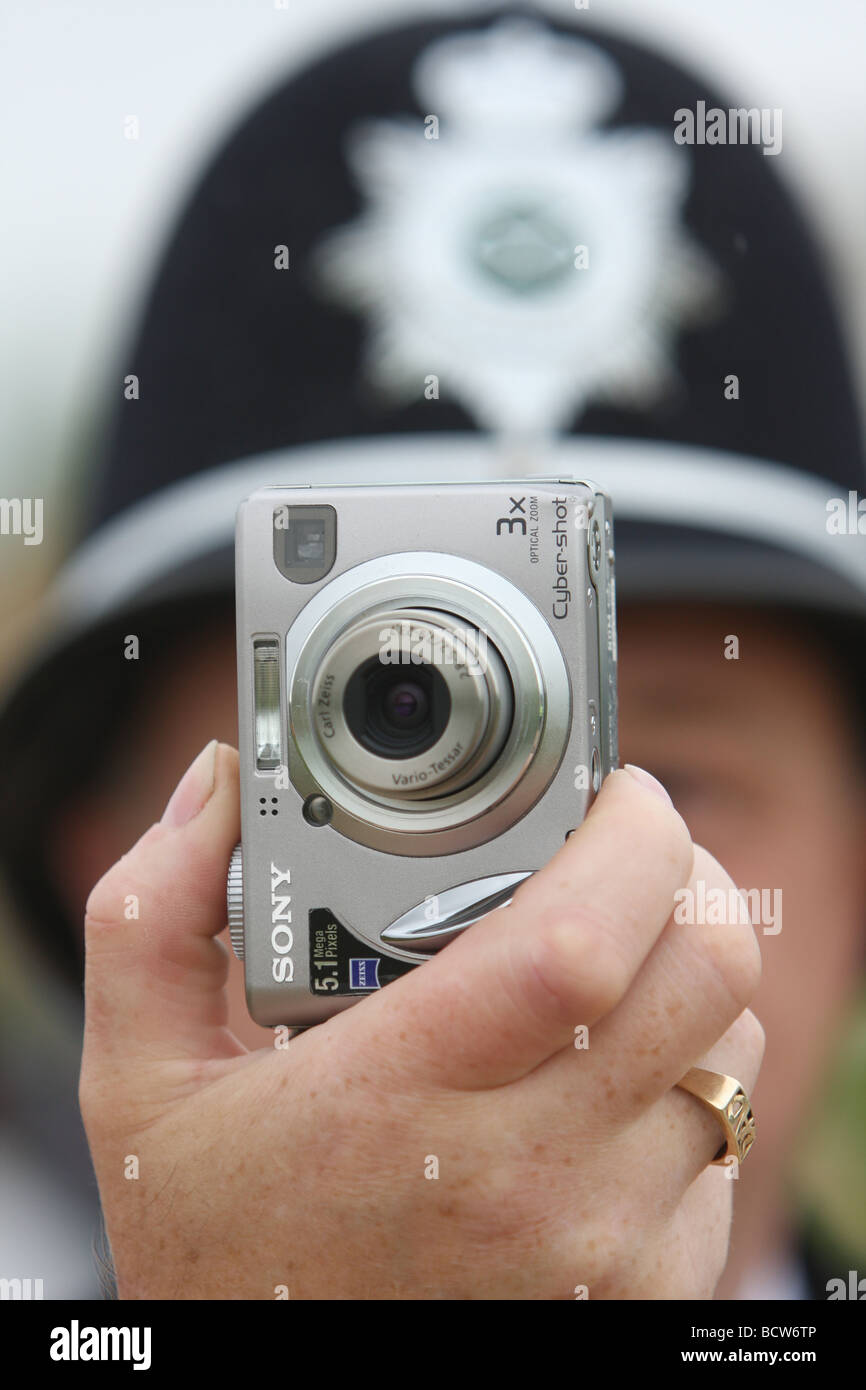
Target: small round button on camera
[{"x": 317, "y": 810}]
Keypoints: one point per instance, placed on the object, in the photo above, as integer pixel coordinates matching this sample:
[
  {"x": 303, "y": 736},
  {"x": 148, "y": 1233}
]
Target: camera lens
[
  {"x": 411, "y": 703},
  {"x": 428, "y": 700},
  {"x": 405, "y": 706},
  {"x": 392, "y": 716}
]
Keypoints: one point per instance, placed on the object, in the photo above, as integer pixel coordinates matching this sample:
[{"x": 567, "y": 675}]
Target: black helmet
[{"x": 456, "y": 248}]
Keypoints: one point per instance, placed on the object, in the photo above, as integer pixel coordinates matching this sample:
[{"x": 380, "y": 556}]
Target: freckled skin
[
  {"x": 330, "y": 1178},
  {"x": 726, "y": 759}
]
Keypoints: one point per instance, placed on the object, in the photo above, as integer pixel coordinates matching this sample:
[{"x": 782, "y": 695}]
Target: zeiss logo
[
  {"x": 364, "y": 972},
  {"x": 282, "y": 940}
]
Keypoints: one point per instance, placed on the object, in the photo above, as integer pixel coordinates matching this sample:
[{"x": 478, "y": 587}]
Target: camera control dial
[{"x": 235, "y": 901}]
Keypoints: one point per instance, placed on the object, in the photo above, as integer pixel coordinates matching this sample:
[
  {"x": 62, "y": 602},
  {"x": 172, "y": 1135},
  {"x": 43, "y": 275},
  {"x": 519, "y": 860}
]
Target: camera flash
[{"x": 266, "y": 667}]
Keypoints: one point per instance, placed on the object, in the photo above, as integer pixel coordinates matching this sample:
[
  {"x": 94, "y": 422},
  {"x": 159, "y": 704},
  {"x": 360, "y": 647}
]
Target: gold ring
[{"x": 728, "y": 1102}]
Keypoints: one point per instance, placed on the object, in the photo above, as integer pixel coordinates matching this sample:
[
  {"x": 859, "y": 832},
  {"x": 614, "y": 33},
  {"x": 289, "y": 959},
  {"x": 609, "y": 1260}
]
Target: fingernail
[
  {"x": 193, "y": 790},
  {"x": 647, "y": 780}
]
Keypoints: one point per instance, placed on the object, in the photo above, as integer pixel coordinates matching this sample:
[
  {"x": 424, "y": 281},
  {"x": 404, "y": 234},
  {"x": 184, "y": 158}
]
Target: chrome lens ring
[
  {"x": 540, "y": 724},
  {"x": 474, "y": 680}
]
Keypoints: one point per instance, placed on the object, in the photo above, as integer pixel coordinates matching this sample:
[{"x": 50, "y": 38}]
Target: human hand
[{"x": 302, "y": 1171}]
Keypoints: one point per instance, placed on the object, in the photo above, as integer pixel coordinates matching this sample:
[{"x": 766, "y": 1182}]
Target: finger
[
  {"x": 660, "y": 1165},
  {"x": 507, "y": 995},
  {"x": 155, "y": 976},
  {"x": 696, "y": 981},
  {"x": 661, "y": 1151},
  {"x": 738, "y": 1054},
  {"x": 695, "y": 1242},
  {"x": 703, "y": 1211},
  {"x": 699, "y": 1235}
]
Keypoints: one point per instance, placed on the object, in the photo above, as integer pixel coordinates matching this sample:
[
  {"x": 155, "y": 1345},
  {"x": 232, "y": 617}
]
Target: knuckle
[
  {"x": 105, "y": 902},
  {"x": 731, "y": 947},
  {"x": 127, "y": 877},
  {"x": 608, "y": 978},
  {"x": 735, "y": 957},
  {"x": 101, "y": 907},
  {"x": 579, "y": 962},
  {"x": 115, "y": 900}
]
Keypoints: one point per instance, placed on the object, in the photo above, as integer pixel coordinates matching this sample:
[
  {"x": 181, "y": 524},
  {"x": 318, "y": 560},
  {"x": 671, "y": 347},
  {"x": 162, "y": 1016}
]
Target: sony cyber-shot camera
[{"x": 427, "y": 706}]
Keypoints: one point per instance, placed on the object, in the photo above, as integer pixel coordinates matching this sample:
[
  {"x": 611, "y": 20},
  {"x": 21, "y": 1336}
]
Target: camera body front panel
[{"x": 427, "y": 706}]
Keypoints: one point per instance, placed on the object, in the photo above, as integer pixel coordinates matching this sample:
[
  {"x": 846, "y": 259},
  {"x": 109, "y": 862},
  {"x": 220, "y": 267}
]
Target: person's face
[{"x": 756, "y": 753}]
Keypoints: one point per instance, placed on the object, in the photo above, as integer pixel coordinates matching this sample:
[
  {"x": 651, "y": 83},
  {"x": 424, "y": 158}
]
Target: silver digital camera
[{"x": 427, "y": 706}]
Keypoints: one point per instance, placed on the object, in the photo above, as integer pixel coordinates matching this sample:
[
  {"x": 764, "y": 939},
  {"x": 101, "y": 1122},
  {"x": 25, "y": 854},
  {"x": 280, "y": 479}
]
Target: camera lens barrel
[
  {"x": 427, "y": 699},
  {"x": 456, "y": 703}
]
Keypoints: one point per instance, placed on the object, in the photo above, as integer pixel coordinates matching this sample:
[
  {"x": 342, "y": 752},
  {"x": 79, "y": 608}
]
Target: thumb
[{"x": 154, "y": 974}]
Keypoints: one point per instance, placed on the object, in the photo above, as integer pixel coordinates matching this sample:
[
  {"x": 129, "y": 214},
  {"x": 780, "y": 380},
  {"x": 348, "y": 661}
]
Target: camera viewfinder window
[{"x": 305, "y": 542}]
